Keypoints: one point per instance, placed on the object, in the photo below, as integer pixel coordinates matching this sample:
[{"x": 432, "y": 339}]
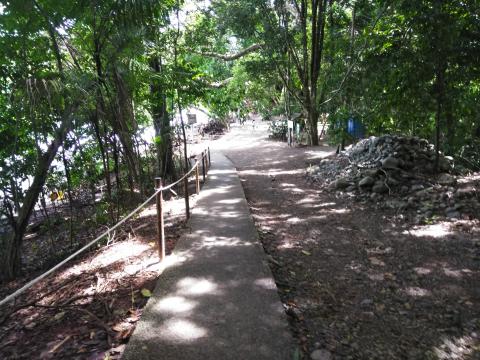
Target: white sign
[
  {"x": 290, "y": 124},
  {"x": 192, "y": 119}
]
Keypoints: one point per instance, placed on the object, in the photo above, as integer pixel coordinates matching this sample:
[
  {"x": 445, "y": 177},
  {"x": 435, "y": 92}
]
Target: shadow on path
[{"x": 216, "y": 298}]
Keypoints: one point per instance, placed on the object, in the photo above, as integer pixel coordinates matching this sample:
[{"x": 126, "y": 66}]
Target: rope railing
[{"x": 158, "y": 194}]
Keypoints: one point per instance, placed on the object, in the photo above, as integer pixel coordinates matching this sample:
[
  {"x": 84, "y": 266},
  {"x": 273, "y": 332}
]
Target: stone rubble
[{"x": 399, "y": 172}]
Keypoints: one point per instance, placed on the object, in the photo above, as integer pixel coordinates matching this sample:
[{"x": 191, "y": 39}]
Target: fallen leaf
[
  {"x": 146, "y": 293},
  {"x": 306, "y": 252},
  {"x": 59, "y": 316}
]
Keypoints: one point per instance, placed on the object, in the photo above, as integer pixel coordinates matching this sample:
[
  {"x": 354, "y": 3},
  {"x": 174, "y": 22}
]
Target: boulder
[
  {"x": 380, "y": 187},
  {"x": 341, "y": 183},
  {"x": 367, "y": 181},
  {"x": 390, "y": 162},
  {"x": 446, "y": 179}
]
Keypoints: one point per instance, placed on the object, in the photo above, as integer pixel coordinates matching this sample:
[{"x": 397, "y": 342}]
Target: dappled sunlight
[
  {"x": 287, "y": 185},
  {"x": 174, "y": 304},
  {"x": 457, "y": 274},
  {"x": 215, "y": 191},
  {"x": 319, "y": 152},
  {"x": 181, "y": 330},
  {"x": 417, "y": 291},
  {"x": 214, "y": 171},
  {"x": 286, "y": 245},
  {"x": 149, "y": 211},
  {"x": 271, "y": 217},
  {"x": 295, "y": 190},
  {"x": 337, "y": 211},
  {"x": 422, "y": 270},
  {"x": 117, "y": 252},
  {"x": 271, "y": 172},
  {"x": 230, "y": 201},
  {"x": 266, "y": 283},
  {"x": 197, "y": 286},
  {"x": 323, "y": 246},
  {"x": 218, "y": 241},
  {"x": 457, "y": 347},
  {"x": 376, "y": 276},
  {"x": 445, "y": 269},
  {"x": 440, "y": 230}
]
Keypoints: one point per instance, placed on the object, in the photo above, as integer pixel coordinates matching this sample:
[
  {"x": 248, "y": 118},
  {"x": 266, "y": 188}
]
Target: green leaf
[{"x": 146, "y": 293}]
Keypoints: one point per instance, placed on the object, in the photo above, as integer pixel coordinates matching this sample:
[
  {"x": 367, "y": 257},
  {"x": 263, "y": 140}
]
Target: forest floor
[
  {"x": 89, "y": 308},
  {"x": 358, "y": 282}
]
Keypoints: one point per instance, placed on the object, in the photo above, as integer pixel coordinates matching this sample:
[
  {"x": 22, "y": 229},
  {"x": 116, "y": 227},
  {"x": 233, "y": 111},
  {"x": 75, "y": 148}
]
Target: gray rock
[
  {"x": 444, "y": 164},
  {"x": 417, "y": 187},
  {"x": 371, "y": 172},
  {"x": 465, "y": 192},
  {"x": 390, "y": 163},
  {"x": 366, "y": 302},
  {"x": 341, "y": 183},
  {"x": 366, "y": 181},
  {"x": 392, "y": 181},
  {"x": 453, "y": 214},
  {"x": 380, "y": 187},
  {"x": 446, "y": 179},
  {"x": 321, "y": 354}
]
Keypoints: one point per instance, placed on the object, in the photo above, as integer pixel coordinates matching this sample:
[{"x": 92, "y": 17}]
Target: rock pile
[
  {"x": 214, "y": 127},
  {"x": 400, "y": 171}
]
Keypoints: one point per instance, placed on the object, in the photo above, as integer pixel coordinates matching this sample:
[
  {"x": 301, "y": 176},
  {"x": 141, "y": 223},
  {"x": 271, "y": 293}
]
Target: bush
[{"x": 469, "y": 155}]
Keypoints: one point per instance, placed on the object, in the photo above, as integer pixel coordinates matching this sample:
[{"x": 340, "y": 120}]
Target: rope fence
[{"x": 158, "y": 195}]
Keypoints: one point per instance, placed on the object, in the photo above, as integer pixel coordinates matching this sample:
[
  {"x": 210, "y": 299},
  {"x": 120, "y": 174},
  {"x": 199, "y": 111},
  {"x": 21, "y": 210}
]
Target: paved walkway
[{"x": 216, "y": 298}]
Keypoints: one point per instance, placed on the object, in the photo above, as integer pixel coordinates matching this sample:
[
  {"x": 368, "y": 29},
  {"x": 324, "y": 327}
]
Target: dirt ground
[
  {"x": 357, "y": 282},
  {"x": 89, "y": 308}
]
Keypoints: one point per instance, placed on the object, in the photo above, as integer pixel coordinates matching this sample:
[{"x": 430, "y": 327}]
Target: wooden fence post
[
  {"x": 203, "y": 165},
  {"x": 187, "y": 203},
  {"x": 160, "y": 222},
  {"x": 209, "y": 160},
  {"x": 197, "y": 178}
]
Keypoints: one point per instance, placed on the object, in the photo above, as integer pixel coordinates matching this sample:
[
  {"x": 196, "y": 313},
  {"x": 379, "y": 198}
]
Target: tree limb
[
  {"x": 220, "y": 84},
  {"x": 231, "y": 57}
]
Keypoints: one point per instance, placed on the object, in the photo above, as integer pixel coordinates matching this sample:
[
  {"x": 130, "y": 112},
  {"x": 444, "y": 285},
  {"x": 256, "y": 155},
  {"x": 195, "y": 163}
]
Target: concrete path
[{"x": 216, "y": 298}]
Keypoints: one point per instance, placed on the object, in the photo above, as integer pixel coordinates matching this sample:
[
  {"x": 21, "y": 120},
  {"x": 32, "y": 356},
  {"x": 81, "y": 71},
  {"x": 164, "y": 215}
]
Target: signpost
[{"x": 290, "y": 132}]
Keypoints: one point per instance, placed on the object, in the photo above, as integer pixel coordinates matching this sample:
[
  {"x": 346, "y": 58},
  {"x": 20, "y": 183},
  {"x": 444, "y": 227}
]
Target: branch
[
  {"x": 231, "y": 57},
  {"x": 220, "y": 84}
]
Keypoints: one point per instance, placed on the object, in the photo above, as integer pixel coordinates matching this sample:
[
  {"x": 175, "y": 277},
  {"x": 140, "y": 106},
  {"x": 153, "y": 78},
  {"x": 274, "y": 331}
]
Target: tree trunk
[
  {"x": 313, "y": 129},
  {"x": 69, "y": 194},
  {"x": 12, "y": 263},
  {"x": 161, "y": 121}
]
